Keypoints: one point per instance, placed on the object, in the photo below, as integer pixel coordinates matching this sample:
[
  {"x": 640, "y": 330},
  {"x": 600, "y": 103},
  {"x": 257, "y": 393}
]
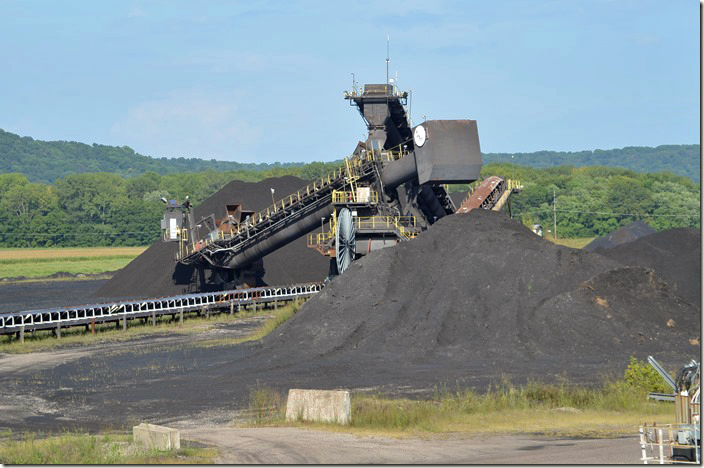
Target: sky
[{"x": 263, "y": 81}]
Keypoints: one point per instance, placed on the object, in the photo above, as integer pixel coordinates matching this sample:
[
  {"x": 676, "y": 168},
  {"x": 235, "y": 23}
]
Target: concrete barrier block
[
  {"x": 157, "y": 437},
  {"x": 319, "y": 405}
]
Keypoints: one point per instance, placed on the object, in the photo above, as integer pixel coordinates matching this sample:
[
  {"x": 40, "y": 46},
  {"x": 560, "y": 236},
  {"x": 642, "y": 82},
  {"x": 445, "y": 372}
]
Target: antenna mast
[{"x": 387, "y": 59}]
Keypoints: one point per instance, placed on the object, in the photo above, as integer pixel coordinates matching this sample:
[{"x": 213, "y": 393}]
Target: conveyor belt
[
  {"x": 287, "y": 220},
  {"x": 83, "y": 315}
]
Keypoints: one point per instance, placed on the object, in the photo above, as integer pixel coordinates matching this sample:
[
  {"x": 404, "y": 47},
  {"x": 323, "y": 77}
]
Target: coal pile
[
  {"x": 620, "y": 236},
  {"x": 152, "y": 273},
  {"x": 458, "y": 197},
  {"x": 480, "y": 294},
  {"x": 675, "y": 255}
]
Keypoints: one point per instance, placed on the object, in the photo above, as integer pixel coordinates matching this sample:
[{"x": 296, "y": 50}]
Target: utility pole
[{"x": 554, "y": 212}]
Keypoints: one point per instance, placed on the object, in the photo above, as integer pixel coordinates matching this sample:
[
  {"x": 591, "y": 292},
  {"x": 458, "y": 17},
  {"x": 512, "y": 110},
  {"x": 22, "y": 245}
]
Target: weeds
[
  {"x": 79, "y": 449},
  {"x": 642, "y": 375},
  {"x": 614, "y": 408},
  {"x": 267, "y": 405},
  {"x": 534, "y": 406},
  {"x": 278, "y": 317}
]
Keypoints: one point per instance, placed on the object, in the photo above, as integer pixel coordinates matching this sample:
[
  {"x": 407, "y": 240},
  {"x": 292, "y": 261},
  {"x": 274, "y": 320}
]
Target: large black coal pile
[
  {"x": 675, "y": 255},
  {"x": 620, "y": 236},
  {"x": 151, "y": 274},
  {"x": 481, "y": 291}
]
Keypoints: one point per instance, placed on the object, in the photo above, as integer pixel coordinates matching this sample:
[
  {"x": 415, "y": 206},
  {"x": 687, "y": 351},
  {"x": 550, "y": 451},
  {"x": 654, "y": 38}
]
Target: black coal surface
[
  {"x": 675, "y": 255},
  {"x": 620, "y": 236},
  {"x": 152, "y": 273},
  {"x": 481, "y": 288},
  {"x": 476, "y": 298}
]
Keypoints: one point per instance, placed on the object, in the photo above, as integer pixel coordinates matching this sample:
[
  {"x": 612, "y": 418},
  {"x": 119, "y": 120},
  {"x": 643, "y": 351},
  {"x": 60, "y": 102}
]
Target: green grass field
[
  {"x": 575, "y": 243},
  {"x": 38, "y": 263}
]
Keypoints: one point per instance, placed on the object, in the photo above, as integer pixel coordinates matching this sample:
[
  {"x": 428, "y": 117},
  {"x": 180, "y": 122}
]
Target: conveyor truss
[{"x": 345, "y": 185}]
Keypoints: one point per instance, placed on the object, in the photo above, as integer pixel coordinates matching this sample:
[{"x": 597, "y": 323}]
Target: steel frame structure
[{"x": 63, "y": 317}]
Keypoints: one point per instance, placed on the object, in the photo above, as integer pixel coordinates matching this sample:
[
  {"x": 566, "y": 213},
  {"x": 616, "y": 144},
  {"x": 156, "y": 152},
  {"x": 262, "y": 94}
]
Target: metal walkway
[
  {"x": 283, "y": 214},
  {"x": 84, "y": 315}
]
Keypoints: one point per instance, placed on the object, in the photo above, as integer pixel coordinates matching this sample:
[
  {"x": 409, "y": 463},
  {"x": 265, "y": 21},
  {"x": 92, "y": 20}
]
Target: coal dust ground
[
  {"x": 31, "y": 295},
  {"x": 475, "y": 299}
]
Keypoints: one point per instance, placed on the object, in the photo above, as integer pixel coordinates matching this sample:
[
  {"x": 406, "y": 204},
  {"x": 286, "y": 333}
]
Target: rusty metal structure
[{"x": 389, "y": 189}]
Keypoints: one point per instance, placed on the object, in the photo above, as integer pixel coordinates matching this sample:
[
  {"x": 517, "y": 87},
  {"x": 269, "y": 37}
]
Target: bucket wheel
[{"x": 344, "y": 240}]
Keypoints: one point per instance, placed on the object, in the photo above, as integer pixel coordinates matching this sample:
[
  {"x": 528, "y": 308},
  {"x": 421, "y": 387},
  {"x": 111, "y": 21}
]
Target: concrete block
[
  {"x": 319, "y": 405},
  {"x": 157, "y": 437}
]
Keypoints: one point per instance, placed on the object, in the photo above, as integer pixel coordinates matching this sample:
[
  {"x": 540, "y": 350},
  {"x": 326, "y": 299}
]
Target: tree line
[
  {"x": 48, "y": 161},
  {"x": 105, "y": 209},
  {"x": 595, "y": 201}
]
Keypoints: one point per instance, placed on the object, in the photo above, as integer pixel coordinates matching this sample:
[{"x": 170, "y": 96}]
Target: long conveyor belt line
[
  {"x": 114, "y": 311},
  {"x": 271, "y": 220}
]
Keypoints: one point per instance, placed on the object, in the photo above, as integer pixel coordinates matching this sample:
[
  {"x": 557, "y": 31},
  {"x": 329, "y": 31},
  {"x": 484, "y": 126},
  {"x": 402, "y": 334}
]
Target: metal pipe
[
  {"x": 280, "y": 238},
  {"x": 399, "y": 171}
]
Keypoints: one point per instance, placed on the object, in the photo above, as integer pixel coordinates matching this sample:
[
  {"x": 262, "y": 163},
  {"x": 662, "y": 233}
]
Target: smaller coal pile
[
  {"x": 675, "y": 255},
  {"x": 620, "y": 236},
  {"x": 479, "y": 294},
  {"x": 155, "y": 273}
]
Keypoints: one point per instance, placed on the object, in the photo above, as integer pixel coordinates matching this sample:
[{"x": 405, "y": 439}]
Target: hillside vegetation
[
  {"x": 47, "y": 161},
  {"x": 102, "y": 209},
  {"x": 679, "y": 159}
]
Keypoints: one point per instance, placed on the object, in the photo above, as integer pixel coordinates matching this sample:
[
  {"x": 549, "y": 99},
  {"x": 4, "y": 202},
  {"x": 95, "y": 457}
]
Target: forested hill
[
  {"x": 46, "y": 161},
  {"x": 680, "y": 159}
]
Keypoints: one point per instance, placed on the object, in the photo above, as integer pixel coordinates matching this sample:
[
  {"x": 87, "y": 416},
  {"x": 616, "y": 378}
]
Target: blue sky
[{"x": 263, "y": 81}]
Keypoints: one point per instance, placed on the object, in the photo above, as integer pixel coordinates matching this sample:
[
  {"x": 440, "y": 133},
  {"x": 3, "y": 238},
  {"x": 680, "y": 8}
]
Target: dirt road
[{"x": 298, "y": 446}]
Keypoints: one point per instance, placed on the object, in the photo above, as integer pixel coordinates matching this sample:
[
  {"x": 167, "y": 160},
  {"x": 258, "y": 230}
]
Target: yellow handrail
[{"x": 348, "y": 170}]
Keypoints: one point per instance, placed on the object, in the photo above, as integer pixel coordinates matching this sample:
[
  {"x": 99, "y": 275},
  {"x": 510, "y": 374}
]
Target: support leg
[
  {"x": 180, "y": 317},
  {"x": 153, "y": 319},
  {"x": 22, "y": 334},
  {"x": 58, "y": 330},
  {"x": 124, "y": 322}
]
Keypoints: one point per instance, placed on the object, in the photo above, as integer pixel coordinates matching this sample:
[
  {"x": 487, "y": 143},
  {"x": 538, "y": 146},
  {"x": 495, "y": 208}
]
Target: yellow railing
[
  {"x": 342, "y": 196},
  {"x": 514, "y": 184},
  {"x": 402, "y": 224},
  {"x": 349, "y": 170},
  {"x": 320, "y": 238},
  {"x": 181, "y": 234}
]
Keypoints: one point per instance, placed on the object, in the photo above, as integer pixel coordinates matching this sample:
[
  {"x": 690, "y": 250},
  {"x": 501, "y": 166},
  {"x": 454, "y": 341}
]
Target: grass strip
[
  {"x": 277, "y": 318},
  {"x": 611, "y": 410},
  {"x": 16, "y": 261},
  {"x": 65, "y": 252},
  {"x": 81, "y": 449},
  {"x": 575, "y": 243}
]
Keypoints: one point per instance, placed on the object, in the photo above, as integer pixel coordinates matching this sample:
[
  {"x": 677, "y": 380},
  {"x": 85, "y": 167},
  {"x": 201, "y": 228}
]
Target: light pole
[
  {"x": 273, "y": 202},
  {"x": 554, "y": 212}
]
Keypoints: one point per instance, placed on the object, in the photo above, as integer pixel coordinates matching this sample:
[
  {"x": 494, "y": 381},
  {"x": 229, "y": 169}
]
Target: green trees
[
  {"x": 100, "y": 209},
  {"x": 679, "y": 159},
  {"x": 47, "y": 161},
  {"x": 594, "y": 201}
]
